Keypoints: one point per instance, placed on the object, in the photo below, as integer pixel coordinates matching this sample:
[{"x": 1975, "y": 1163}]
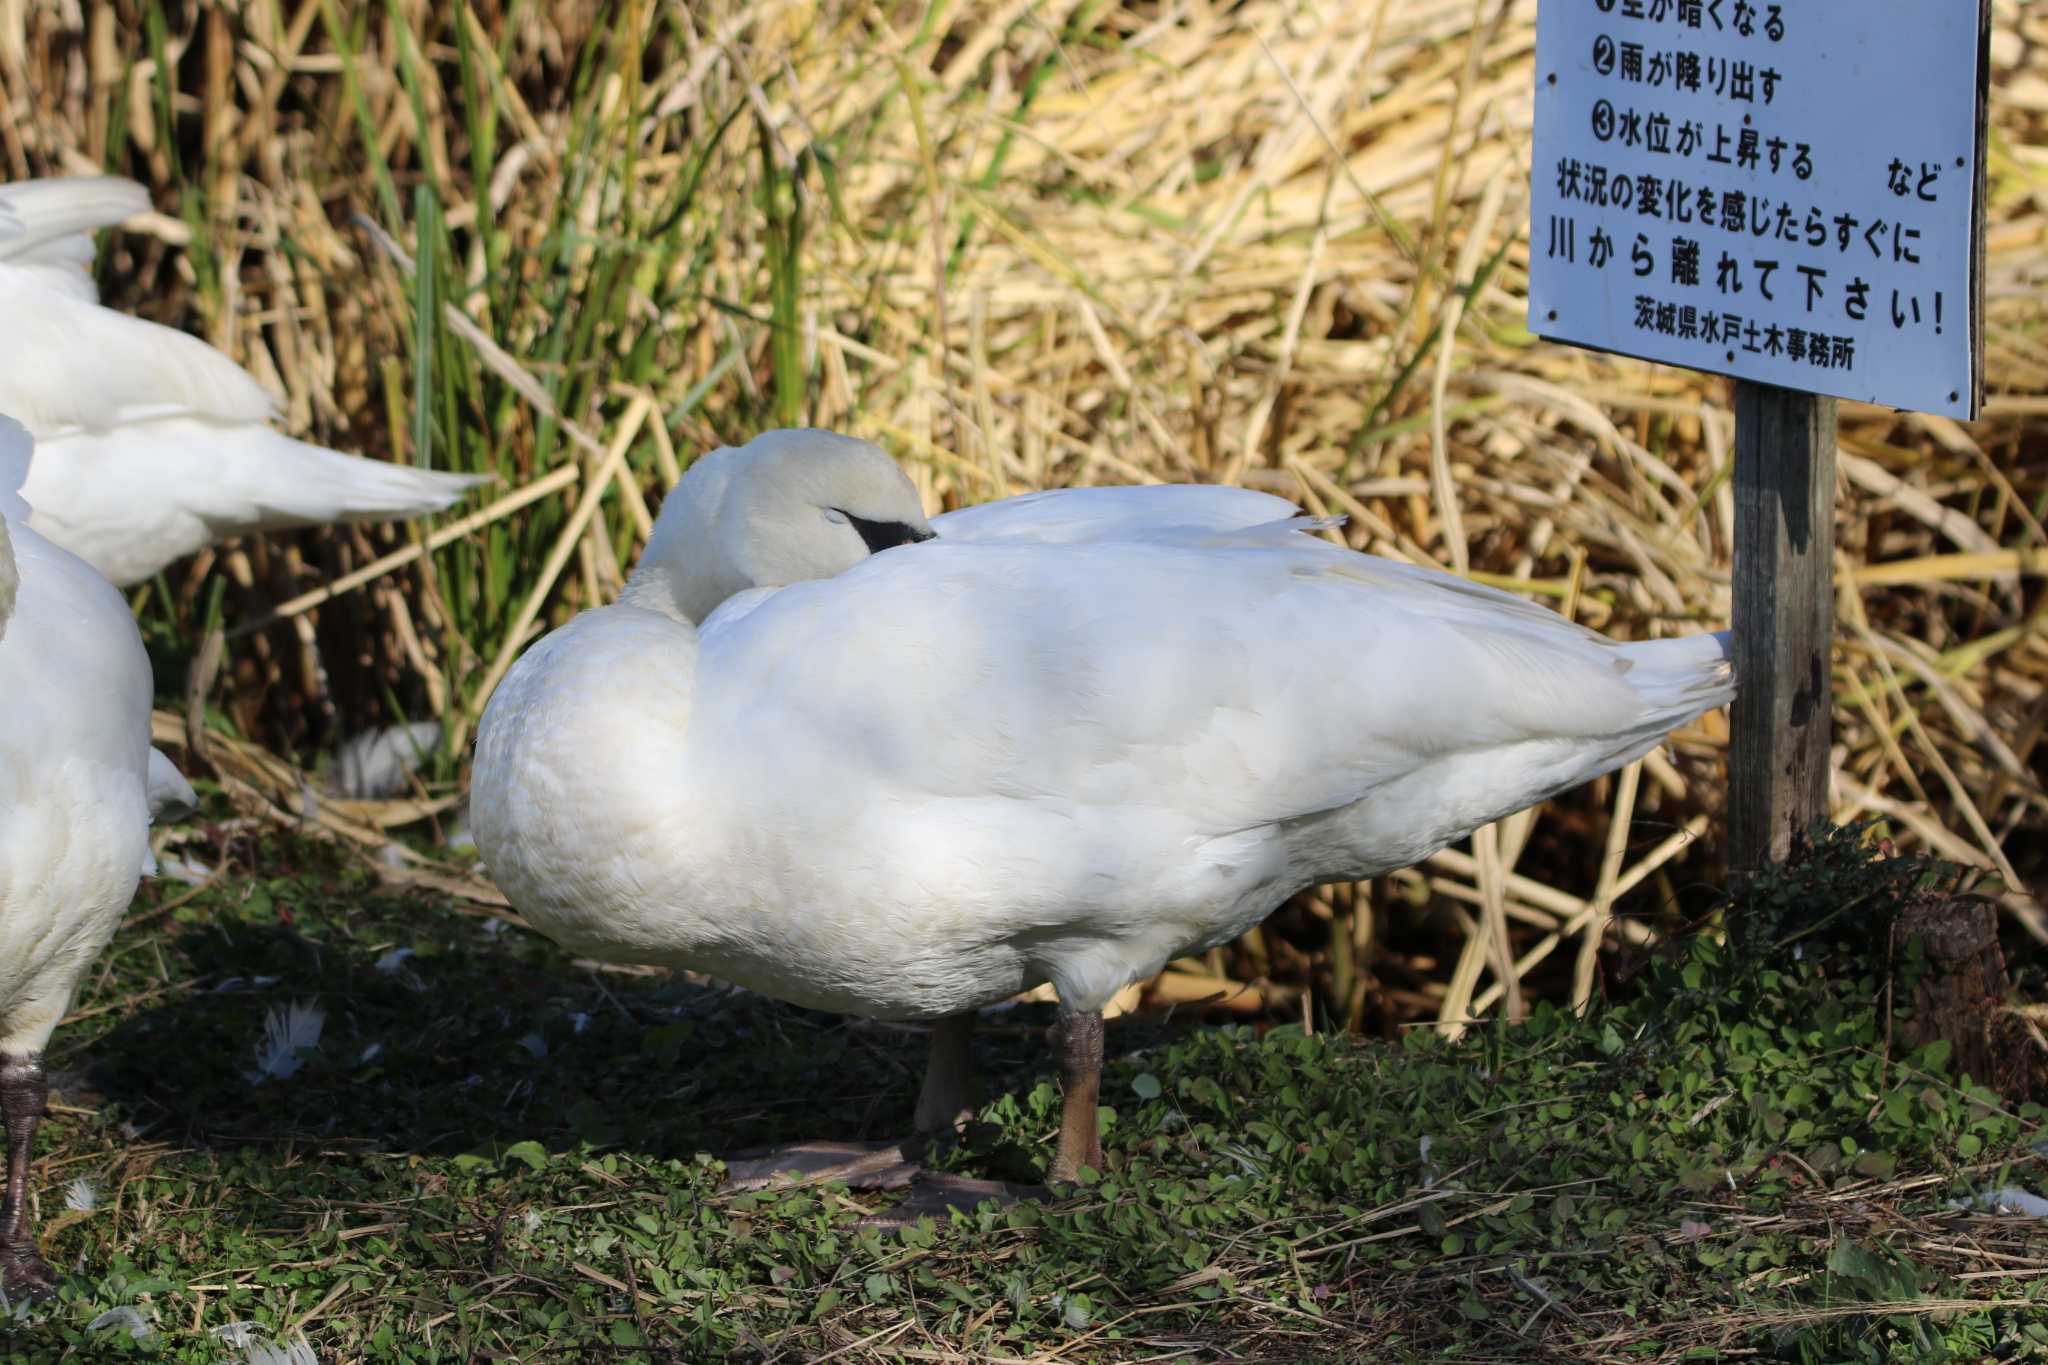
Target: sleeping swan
[{"x": 867, "y": 763}]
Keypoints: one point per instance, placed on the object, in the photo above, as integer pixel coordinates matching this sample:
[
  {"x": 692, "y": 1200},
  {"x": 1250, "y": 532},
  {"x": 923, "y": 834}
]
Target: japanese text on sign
[{"x": 1785, "y": 192}]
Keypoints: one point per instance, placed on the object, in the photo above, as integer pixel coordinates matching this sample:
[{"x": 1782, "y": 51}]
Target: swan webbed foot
[
  {"x": 1080, "y": 1143},
  {"x": 940, "y": 1194},
  {"x": 873, "y": 1166},
  {"x": 945, "y": 1105},
  {"x": 25, "y": 1276},
  {"x": 858, "y": 1165}
]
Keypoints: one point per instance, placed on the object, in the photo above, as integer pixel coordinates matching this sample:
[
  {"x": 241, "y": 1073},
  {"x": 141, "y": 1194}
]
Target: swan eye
[{"x": 883, "y": 535}]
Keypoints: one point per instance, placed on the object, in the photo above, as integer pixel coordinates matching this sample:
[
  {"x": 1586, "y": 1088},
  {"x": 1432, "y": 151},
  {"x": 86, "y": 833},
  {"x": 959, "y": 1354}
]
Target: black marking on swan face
[{"x": 883, "y": 535}]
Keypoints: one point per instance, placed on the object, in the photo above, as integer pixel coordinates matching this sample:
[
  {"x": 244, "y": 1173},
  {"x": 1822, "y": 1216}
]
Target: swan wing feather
[
  {"x": 1074, "y": 515},
  {"x": 75, "y": 366},
  {"x": 1241, "y": 687}
]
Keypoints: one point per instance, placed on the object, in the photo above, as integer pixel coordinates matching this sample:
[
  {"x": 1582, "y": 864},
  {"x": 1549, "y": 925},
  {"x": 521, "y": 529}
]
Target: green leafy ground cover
[{"x": 494, "y": 1153}]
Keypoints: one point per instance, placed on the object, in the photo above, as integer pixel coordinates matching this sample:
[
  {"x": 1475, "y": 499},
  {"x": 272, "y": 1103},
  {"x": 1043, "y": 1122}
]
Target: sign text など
[{"x": 1785, "y": 192}]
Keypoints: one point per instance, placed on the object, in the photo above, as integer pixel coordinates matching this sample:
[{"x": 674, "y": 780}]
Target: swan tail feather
[
  {"x": 306, "y": 484},
  {"x": 1685, "y": 676}
]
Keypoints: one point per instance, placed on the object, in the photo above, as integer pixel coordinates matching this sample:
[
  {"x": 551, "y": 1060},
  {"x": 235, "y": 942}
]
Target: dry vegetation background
[{"x": 1021, "y": 244}]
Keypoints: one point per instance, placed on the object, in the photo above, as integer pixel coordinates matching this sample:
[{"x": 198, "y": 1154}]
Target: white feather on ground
[
  {"x": 289, "y": 1033},
  {"x": 295, "y": 1350},
  {"x": 127, "y": 1318},
  {"x": 2006, "y": 1199}
]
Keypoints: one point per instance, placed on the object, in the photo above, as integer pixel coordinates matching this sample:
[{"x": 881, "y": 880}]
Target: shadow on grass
[
  {"x": 1574, "y": 1187},
  {"x": 445, "y": 1033}
]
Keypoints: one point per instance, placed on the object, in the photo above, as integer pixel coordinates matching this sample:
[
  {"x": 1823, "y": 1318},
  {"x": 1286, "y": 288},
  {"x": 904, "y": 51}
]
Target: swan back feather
[{"x": 1066, "y": 516}]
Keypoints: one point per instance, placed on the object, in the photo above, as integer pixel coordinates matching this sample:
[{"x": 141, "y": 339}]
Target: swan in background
[
  {"x": 150, "y": 443},
  {"x": 868, "y": 763},
  {"x": 78, "y": 785}
]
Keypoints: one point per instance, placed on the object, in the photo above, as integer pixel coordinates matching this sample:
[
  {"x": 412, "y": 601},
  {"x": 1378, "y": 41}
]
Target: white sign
[{"x": 1784, "y": 192}]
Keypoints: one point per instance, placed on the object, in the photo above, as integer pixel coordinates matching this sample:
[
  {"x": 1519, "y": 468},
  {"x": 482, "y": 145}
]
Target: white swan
[
  {"x": 78, "y": 782},
  {"x": 151, "y": 444},
  {"x": 1039, "y": 747}
]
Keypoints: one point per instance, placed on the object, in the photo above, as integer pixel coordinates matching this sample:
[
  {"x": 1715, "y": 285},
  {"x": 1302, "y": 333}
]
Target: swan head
[{"x": 786, "y": 507}]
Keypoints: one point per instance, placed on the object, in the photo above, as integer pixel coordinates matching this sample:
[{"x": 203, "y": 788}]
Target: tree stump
[{"x": 1965, "y": 986}]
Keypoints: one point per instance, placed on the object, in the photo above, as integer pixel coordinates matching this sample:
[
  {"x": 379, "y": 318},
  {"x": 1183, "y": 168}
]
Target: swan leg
[
  {"x": 24, "y": 1088},
  {"x": 946, "y": 1101},
  {"x": 1081, "y": 1085}
]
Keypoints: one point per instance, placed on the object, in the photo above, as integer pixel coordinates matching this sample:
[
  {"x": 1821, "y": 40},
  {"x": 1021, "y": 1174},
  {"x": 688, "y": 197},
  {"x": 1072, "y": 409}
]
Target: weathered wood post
[{"x": 1783, "y": 619}]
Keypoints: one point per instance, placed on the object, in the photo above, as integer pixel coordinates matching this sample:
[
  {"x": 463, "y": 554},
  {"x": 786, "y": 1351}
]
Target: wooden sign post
[
  {"x": 1784, "y": 619},
  {"x": 1788, "y": 192}
]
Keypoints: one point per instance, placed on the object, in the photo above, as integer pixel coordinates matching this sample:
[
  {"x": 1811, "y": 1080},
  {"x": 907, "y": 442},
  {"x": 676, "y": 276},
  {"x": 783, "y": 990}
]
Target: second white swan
[{"x": 816, "y": 751}]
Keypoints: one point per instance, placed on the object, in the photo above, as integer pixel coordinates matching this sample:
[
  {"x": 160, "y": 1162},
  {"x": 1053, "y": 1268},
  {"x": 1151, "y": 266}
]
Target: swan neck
[
  {"x": 682, "y": 596},
  {"x": 687, "y": 569}
]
